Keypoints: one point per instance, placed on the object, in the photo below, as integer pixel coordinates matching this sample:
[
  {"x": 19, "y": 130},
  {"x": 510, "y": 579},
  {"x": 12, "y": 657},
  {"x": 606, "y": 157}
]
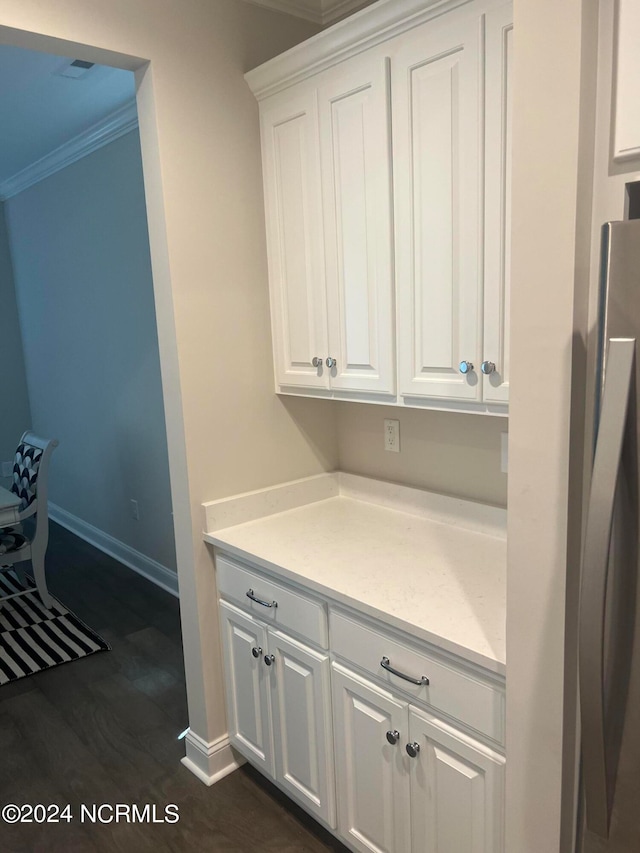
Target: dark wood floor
[{"x": 103, "y": 730}]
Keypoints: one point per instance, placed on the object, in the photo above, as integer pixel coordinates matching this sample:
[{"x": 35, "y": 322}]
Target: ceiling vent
[{"x": 76, "y": 69}]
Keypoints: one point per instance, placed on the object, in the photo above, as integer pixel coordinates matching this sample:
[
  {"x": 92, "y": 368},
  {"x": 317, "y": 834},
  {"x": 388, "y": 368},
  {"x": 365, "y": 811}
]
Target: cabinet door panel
[
  {"x": 437, "y": 155},
  {"x": 356, "y": 170},
  {"x": 246, "y": 685},
  {"x": 498, "y": 103},
  {"x": 293, "y": 207},
  {"x": 371, "y": 774},
  {"x": 300, "y": 690},
  {"x": 456, "y": 791}
]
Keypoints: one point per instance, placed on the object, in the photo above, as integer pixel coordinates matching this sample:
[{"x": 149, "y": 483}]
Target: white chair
[{"x": 27, "y": 540}]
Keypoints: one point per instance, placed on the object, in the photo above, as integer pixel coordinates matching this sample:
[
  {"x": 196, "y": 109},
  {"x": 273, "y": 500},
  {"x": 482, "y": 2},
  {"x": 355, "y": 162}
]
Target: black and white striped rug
[{"x": 33, "y": 638}]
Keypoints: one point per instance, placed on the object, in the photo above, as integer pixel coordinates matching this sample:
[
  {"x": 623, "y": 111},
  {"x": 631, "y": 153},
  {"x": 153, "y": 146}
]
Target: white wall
[
  {"x": 227, "y": 431},
  {"x": 453, "y": 454},
  {"x": 554, "y": 96},
  {"x": 16, "y": 415},
  {"x": 82, "y": 271}
]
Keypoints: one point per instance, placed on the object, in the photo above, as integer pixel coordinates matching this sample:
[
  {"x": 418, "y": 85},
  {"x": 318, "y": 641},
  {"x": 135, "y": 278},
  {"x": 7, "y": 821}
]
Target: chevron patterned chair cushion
[
  {"x": 25, "y": 474},
  {"x": 11, "y": 540}
]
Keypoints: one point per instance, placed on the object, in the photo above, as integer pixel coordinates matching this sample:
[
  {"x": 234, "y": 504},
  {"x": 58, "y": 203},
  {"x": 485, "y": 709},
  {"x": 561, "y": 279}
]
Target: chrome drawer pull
[
  {"x": 251, "y": 595},
  {"x": 385, "y": 664}
]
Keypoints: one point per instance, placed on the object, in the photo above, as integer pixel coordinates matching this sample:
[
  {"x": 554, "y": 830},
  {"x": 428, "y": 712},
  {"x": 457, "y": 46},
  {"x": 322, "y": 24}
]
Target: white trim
[
  {"x": 150, "y": 569},
  {"x": 308, "y": 12},
  {"x": 331, "y": 12},
  {"x": 323, "y": 12},
  {"x": 123, "y": 120},
  {"x": 210, "y": 761},
  {"x": 365, "y": 29}
]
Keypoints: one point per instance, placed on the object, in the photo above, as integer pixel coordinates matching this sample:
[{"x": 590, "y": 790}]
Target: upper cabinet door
[
  {"x": 293, "y": 207},
  {"x": 497, "y": 258},
  {"x": 356, "y": 174},
  {"x": 437, "y": 136}
]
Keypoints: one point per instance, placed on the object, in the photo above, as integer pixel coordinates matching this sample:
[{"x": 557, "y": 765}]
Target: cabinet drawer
[
  {"x": 291, "y": 611},
  {"x": 456, "y": 693}
]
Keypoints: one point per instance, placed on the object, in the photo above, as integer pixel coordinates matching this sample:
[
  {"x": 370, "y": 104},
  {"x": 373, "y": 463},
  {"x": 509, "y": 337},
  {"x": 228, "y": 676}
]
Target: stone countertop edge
[
  {"x": 492, "y": 665},
  {"x": 255, "y": 506}
]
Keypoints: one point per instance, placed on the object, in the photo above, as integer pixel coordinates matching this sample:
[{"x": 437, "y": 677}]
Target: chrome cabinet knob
[
  {"x": 256, "y": 651},
  {"x": 465, "y": 367},
  {"x": 316, "y": 361},
  {"x": 330, "y": 362},
  {"x": 487, "y": 367},
  {"x": 269, "y": 659},
  {"x": 393, "y": 736},
  {"x": 413, "y": 749}
]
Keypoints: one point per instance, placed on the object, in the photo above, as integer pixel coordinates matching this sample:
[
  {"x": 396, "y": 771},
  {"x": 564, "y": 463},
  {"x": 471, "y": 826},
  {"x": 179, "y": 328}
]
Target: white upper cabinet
[
  {"x": 386, "y": 154},
  {"x": 437, "y": 161},
  {"x": 326, "y": 160},
  {"x": 356, "y": 176},
  {"x": 291, "y": 167},
  {"x": 497, "y": 202},
  {"x": 626, "y": 127}
]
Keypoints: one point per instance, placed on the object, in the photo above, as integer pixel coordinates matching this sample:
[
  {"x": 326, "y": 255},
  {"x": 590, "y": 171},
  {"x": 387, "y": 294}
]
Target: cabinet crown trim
[{"x": 361, "y": 31}]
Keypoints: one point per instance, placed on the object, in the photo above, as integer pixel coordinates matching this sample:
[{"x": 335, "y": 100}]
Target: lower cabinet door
[
  {"x": 301, "y": 704},
  {"x": 244, "y": 643},
  {"x": 371, "y": 770},
  {"x": 456, "y": 790}
]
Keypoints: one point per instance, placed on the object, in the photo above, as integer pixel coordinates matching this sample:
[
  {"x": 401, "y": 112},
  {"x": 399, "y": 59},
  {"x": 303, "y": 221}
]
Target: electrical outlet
[
  {"x": 504, "y": 452},
  {"x": 392, "y": 435},
  {"x": 134, "y": 510},
  {"x": 7, "y": 469}
]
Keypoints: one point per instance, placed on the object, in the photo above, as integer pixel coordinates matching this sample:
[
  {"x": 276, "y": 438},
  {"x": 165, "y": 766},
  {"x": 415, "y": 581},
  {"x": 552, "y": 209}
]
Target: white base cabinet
[
  {"x": 395, "y": 747},
  {"x": 278, "y": 705},
  {"x": 457, "y": 790},
  {"x": 373, "y": 794},
  {"x": 406, "y": 780}
]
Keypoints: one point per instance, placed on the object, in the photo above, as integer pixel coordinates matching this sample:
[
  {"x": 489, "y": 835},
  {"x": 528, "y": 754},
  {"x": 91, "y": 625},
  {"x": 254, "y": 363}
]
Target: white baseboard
[
  {"x": 210, "y": 761},
  {"x": 145, "y": 566}
]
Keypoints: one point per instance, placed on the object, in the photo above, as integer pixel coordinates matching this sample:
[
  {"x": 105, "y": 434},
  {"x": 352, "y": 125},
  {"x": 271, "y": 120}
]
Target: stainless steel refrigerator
[{"x": 609, "y": 642}]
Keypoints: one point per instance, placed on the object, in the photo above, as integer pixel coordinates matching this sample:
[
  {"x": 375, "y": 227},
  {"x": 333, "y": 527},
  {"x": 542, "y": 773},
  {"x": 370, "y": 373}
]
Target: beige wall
[
  {"x": 453, "y": 454},
  {"x": 554, "y": 62},
  {"x": 227, "y": 431}
]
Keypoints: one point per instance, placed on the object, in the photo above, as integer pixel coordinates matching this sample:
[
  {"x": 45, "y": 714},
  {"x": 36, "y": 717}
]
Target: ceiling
[
  {"x": 323, "y": 12},
  {"x": 41, "y": 110}
]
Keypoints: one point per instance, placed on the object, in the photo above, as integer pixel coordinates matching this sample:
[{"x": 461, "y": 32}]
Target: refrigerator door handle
[{"x": 595, "y": 561}]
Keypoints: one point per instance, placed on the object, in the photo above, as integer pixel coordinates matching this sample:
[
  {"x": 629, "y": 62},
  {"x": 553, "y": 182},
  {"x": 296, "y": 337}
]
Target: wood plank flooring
[{"x": 103, "y": 730}]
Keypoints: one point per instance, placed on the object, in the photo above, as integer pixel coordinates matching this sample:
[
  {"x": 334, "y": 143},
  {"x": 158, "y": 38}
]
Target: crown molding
[
  {"x": 322, "y": 12},
  {"x": 308, "y": 10},
  {"x": 370, "y": 26},
  {"x": 115, "y": 125}
]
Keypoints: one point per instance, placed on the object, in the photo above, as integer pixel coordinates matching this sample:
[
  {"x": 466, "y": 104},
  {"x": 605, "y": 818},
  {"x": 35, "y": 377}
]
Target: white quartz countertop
[{"x": 443, "y": 581}]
